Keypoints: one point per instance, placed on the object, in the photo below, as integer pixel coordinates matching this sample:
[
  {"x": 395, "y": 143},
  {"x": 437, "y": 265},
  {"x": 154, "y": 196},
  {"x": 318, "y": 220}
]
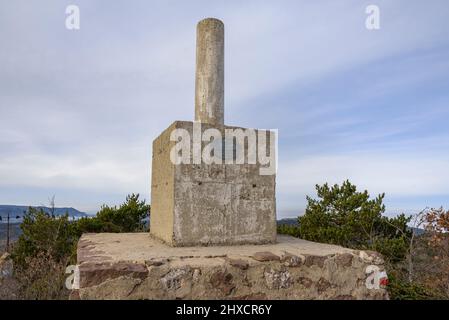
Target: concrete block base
[
  {"x": 137, "y": 266},
  {"x": 209, "y": 204}
]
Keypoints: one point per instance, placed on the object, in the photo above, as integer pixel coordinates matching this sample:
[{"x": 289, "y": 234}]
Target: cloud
[
  {"x": 410, "y": 182},
  {"x": 396, "y": 175},
  {"x": 79, "y": 110},
  {"x": 116, "y": 171}
]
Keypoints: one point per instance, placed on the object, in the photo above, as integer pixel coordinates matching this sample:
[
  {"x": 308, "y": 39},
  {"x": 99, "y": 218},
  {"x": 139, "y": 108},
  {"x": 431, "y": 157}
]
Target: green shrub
[
  {"x": 401, "y": 289},
  {"x": 128, "y": 217},
  {"x": 48, "y": 244},
  {"x": 291, "y": 230},
  {"x": 41, "y": 232},
  {"x": 341, "y": 215}
]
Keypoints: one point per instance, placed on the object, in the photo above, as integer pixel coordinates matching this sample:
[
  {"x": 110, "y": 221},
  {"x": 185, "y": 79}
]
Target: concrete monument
[{"x": 197, "y": 203}]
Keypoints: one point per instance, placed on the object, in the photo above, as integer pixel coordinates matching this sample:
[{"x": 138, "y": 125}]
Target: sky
[{"x": 79, "y": 109}]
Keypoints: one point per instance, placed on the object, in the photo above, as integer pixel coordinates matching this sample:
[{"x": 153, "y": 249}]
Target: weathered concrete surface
[
  {"x": 209, "y": 81},
  {"x": 209, "y": 204},
  {"x": 136, "y": 266},
  {"x": 162, "y": 187}
]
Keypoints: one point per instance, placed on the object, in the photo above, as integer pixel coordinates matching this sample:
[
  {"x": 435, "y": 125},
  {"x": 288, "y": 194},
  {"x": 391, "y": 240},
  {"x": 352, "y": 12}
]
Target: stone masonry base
[{"x": 136, "y": 266}]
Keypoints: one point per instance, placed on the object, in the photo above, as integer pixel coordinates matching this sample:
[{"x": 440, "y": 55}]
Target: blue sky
[{"x": 79, "y": 109}]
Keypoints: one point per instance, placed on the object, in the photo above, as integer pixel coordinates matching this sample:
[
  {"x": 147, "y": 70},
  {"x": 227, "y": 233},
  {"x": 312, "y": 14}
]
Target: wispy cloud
[{"x": 79, "y": 110}]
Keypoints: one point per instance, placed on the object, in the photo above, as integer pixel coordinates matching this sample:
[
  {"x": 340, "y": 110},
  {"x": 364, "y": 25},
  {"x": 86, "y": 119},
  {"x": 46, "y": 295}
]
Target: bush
[
  {"x": 129, "y": 217},
  {"x": 48, "y": 244},
  {"x": 341, "y": 215},
  {"x": 43, "y": 233},
  {"x": 42, "y": 278},
  {"x": 291, "y": 230},
  {"x": 401, "y": 289}
]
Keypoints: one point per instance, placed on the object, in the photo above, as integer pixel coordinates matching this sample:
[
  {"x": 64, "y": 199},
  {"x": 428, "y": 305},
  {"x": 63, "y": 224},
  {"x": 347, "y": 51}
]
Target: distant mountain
[
  {"x": 16, "y": 212},
  {"x": 288, "y": 221}
]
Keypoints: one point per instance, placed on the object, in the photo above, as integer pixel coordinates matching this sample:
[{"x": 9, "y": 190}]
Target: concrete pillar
[{"x": 209, "y": 81}]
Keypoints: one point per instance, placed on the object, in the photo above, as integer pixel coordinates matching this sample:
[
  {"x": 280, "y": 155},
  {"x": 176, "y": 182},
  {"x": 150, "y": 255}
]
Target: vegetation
[
  {"x": 44, "y": 233},
  {"x": 400, "y": 289},
  {"x": 291, "y": 230},
  {"x": 428, "y": 261},
  {"x": 48, "y": 244},
  {"x": 349, "y": 218},
  {"x": 129, "y": 217},
  {"x": 418, "y": 265}
]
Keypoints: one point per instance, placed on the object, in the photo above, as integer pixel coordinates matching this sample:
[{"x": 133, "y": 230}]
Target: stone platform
[{"x": 136, "y": 266}]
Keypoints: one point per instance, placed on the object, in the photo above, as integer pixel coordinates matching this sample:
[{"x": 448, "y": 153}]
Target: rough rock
[
  {"x": 223, "y": 281},
  {"x": 291, "y": 260},
  {"x": 95, "y": 273},
  {"x": 265, "y": 256},
  {"x": 239, "y": 263},
  {"x": 371, "y": 257},
  {"x": 278, "y": 279},
  {"x": 344, "y": 260}
]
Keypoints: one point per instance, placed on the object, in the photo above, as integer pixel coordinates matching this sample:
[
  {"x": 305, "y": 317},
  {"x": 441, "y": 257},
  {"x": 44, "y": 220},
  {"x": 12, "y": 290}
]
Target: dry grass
[{"x": 42, "y": 279}]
